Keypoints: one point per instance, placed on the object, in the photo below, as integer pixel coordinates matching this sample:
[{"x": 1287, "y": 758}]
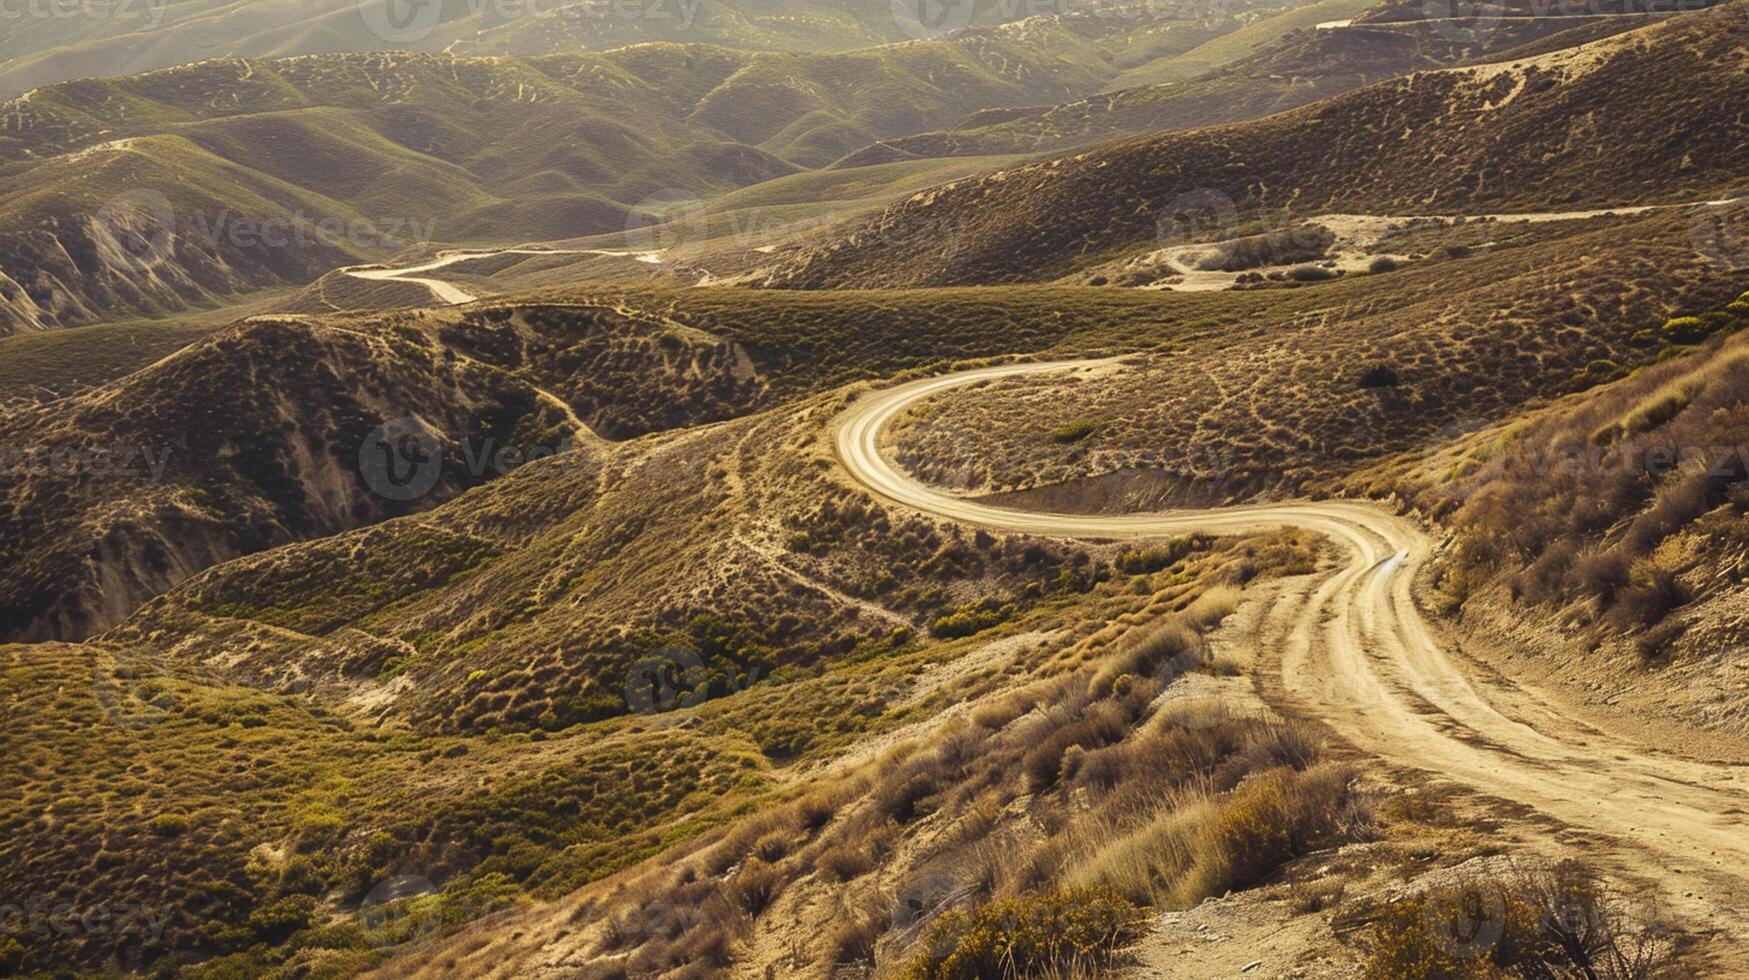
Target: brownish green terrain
[{"x": 1257, "y": 491}]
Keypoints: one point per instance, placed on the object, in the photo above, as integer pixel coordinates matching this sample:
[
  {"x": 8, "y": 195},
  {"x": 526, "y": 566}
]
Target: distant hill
[
  {"x": 1548, "y": 132},
  {"x": 44, "y": 50},
  {"x": 1303, "y": 65},
  {"x": 36, "y": 51},
  {"x": 349, "y": 157}
]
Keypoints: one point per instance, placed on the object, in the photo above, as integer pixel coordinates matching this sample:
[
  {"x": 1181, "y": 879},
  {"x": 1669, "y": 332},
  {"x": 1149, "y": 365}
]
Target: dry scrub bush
[
  {"x": 1016, "y": 800},
  {"x": 1207, "y": 847},
  {"x": 1544, "y": 923},
  {"x": 1071, "y": 934},
  {"x": 1172, "y": 647}
]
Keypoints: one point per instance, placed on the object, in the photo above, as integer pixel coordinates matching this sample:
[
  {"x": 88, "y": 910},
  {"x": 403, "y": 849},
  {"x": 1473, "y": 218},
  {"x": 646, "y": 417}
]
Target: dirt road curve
[{"x": 1355, "y": 652}]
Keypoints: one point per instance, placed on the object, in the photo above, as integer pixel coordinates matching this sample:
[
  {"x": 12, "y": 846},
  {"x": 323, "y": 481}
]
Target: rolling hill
[
  {"x": 1543, "y": 133},
  {"x": 43, "y": 50},
  {"x": 360, "y": 156}
]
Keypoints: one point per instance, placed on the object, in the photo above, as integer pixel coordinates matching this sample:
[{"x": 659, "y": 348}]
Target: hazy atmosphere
[{"x": 865, "y": 489}]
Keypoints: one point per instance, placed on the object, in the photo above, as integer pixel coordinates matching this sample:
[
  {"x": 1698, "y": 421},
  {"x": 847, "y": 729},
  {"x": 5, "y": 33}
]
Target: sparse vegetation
[{"x": 1524, "y": 922}]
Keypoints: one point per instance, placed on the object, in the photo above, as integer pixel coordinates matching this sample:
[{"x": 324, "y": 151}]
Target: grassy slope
[
  {"x": 1268, "y": 399},
  {"x": 1617, "y": 510}
]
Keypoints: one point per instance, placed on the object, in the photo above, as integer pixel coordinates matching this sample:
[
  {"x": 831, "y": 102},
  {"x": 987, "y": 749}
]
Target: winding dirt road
[
  {"x": 1353, "y": 650},
  {"x": 448, "y": 292}
]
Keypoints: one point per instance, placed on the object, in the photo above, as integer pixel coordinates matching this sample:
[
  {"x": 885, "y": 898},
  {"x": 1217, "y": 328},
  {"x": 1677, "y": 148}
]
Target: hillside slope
[
  {"x": 1550, "y": 132},
  {"x": 1302, "y": 66},
  {"x": 263, "y": 435}
]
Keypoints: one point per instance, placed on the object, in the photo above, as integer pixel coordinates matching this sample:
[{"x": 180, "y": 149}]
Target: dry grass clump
[
  {"x": 1067, "y": 934},
  {"x": 1206, "y": 845},
  {"x": 1306, "y": 897},
  {"x": 1170, "y": 648},
  {"x": 1530, "y": 923}
]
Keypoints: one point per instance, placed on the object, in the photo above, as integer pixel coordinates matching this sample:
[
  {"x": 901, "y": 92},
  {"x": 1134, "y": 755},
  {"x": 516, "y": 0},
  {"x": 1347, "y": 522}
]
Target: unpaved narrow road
[
  {"x": 1353, "y": 650},
  {"x": 447, "y": 292}
]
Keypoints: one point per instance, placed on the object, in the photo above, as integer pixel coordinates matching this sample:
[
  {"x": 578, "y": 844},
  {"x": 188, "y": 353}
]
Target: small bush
[
  {"x": 1552, "y": 923},
  {"x": 1077, "y": 933},
  {"x": 1074, "y": 431},
  {"x": 1150, "y": 560},
  {"x": 1383, "y": 263},
  {"x": 847, "y": 861},
  {"x": 1379, "y": 376},
  {"x": 1310, "y": 273},
  {"x": 853, "y": 941},
  {"x": 756, "y": 886},
  {"x": 1102, "y": 725},
  {"x": 169, "y": 824},
  {"x": 971, "y": 620}
]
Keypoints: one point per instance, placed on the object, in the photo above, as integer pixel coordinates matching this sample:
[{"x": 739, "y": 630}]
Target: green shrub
[
  {"x": 971, "y": 619},
  {"x": 1600, "y": 371},
  {"x": 1074, "y": 431},
  {"x": 1069, "y": 933},
  {"x": 1694, "y": 329},
  {"x": 1150, "y": 560}
]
